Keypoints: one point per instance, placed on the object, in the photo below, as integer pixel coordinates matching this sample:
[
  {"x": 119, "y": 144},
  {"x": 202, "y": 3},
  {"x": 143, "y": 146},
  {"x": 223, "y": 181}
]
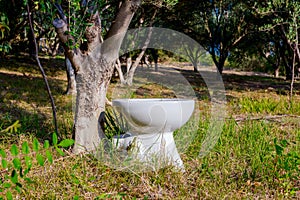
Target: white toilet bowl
[{"x": 151, "y": 125}]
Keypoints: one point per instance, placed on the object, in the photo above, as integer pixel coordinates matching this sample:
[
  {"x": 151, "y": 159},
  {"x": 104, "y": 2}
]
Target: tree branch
[
  {"x": 123, "y": 18},
  {"x": 60, "y": 12},
  {"x": 74, "y": 54},
  {"x": 43, "y": 72},
  {"x": 93, "y": 33}
]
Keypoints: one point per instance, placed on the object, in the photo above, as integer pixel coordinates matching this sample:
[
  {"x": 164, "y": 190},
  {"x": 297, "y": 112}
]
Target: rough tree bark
[
  {"x": 93, "y": 70},
  {"x": 71, "y": 87}
]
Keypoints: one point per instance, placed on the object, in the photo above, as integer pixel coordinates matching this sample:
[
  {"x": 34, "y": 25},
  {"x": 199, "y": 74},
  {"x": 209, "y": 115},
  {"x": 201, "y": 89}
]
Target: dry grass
[{"x": 244, "y": 164}]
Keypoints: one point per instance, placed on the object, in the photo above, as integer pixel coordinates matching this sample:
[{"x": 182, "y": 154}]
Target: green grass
[{"x": 255, "y": 156}]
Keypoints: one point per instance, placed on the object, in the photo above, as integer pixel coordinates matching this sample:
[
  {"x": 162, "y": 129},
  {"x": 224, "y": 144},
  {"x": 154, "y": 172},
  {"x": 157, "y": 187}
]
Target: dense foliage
[{"x": 243, "y": 32}]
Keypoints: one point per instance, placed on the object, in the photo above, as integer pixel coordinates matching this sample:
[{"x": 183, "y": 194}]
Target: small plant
[
  {"x": 264, "y": 105},
  {"x": 18, "y": 161},
  {"x": 115, "y": 123},
  {"x": 286, "y": 162}
]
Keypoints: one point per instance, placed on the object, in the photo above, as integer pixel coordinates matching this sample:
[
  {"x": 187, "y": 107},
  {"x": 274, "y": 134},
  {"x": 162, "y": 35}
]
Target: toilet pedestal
[{"x": 156, "y": 150}]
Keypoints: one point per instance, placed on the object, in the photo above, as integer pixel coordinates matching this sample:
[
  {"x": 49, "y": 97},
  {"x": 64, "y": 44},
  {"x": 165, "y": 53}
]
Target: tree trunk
[
  {"x": 221, "y": 61},
  {"x": 31, "y": 45},
  {"x": 93, "y": 64},
  {"x": 128, "y": 63},
  {"x": 131, "y": 68},
  {"x": 71, "y": 87},
  {"x": 130, "y": 73},
  {"x": 193, "y": 56},
  {"x": 220, "y": 65},
  {"x": 288, "y": 72},
  {"x": 155, "y": 58},
  {"x": 276, "y": 72},
  {"x": 276, "y": 67},
  {"x": 288, "y": 68},
  {"x": 195, "y": 66},
  {"x": 54, "y": 47},
  {"x": 92, "y": 84},
  {"x": 119, "y": 70}
]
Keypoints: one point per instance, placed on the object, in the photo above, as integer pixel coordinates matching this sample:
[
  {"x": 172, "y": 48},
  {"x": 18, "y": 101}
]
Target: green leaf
[
  {"x": 6, "y": 185},
  {"x": 14, "y": 177},
  {"x": 75, "y": 166},
  {"x": 17, "y": 163},
  {"x": 279, "y": 149},
  {"x": 4, "y": 163},
  {"x": 2, "y": 153},
  {"x": 14, "y": 150},
  {"x": 28, "y": 162},
  {"x": 18, "y": 187},
  {"x": 75, "y": 179},
  {"x": 103, "y": 196},
  {"x": 54, "y": 139},
  {"x": 25, "y": 148},
  {"x": 60, "y": 151},
  {"x": 9, "y": 195},
  {"x": 46, "y": 144},
  {"x": 284, "y": 143},
  {"x": 26, "y": 171},
  {"x": 35, "y": 145},
  {"x": 40, "y": 159},
  {"x": 28, "y": 180},
  {"x": 49, "y": 156},
  {"x": 66, "y": 143}
]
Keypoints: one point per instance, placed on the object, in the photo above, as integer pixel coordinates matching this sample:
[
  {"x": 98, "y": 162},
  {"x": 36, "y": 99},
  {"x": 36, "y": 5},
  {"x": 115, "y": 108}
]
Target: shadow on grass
[
  {"x": 254, "y": 83},
  {"x": 232, "y": 82},
  {"x": 236, "y": 82},
  {"x": 25, "y": 99},
  {"x": 24, "y": 64}
]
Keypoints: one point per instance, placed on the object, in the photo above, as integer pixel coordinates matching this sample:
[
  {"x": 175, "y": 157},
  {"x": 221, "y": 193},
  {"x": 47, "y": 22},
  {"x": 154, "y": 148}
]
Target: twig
[
  {"x": 43, "y": 71},
  {"x": 295, "y": 51},
  {"x": 292, "y": 80},
  {"x": 265, "y": 117}
]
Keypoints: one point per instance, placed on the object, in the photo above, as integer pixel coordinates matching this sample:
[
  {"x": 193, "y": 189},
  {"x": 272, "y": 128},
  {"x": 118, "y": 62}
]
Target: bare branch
[
  {"x": 60, "y": 12},
  {"x": 74, "y": 54},
  {"x": 270, "y": 118},
  {"x": 43, "y": 72}
]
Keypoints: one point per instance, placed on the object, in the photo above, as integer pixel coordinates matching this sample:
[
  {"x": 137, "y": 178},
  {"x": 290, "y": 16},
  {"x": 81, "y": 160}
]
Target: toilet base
[{"x": 157, "y": 149}]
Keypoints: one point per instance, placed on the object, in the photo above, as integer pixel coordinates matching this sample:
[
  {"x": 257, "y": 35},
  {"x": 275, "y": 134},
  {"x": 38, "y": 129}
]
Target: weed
[{"x": 17, "y": 163}]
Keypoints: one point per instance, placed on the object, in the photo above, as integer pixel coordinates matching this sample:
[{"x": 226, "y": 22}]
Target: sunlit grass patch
[
  {"x": 256, "y": 156},
  {"x": 265, "y": 103}
]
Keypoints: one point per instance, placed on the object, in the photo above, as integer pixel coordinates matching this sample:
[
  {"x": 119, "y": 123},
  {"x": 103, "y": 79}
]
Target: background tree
[
  {"x": 259, "y": 51},
  {"x": 280, "y": 20},
  {"x": 149, "y": 15},
  {"x": 144, "y": 18},
  {"x": 219, "y": 26}
]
